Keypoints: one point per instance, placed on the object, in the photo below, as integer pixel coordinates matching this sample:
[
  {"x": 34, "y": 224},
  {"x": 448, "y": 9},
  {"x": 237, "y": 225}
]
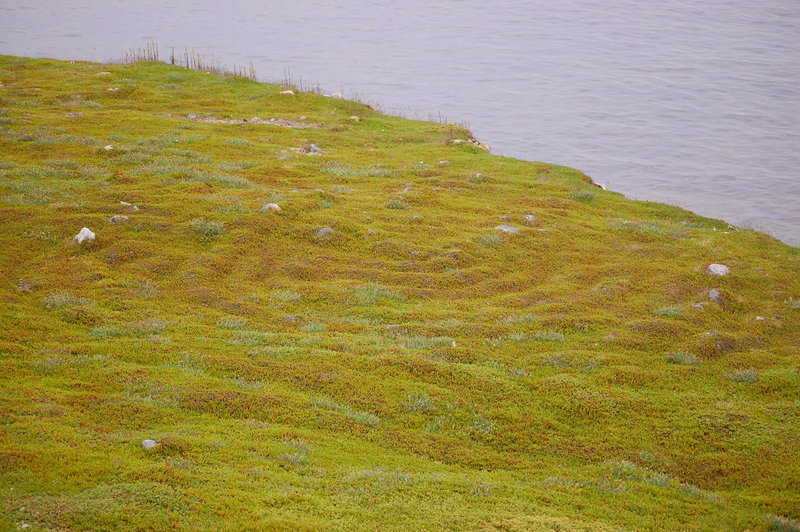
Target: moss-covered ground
[{"x": 414, "y": 368}]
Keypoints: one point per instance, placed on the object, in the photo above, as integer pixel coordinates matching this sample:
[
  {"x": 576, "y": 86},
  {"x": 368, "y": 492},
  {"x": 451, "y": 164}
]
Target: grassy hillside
[{"x": 411, "y": 367}]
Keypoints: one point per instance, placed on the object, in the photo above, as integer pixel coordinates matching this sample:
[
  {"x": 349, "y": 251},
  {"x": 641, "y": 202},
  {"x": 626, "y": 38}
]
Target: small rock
[
  {"x": 191, "y": 116},
  {"x": 69, "y": 115},
  {"x": 103, "y": 74},
  {"x": 337, "y": 95},
  {"x": 125, "y": 203},
  {"x": 698, "y": 306},
  {"x": 292, "y": 318},
  {"x": 313, "y": 148},
  {"x": 118, "y": 219},
  {"x": 715, "y": 296},
  {"x": 760, "y": 318},
  {"x": 271, "y": 207},
  {"x": 149, "y": 444},
  {"x": 443, "y": 162},
  {"x": 85, "y": 235},
  {"x": 407, "y": 189},
  {"x": 718, "y": 270},
  {"x": 508, "y": 228},
  {"x": 135, "y": 208},
  {"x": 112, "y": 89},
  {"x": 505, "y": 219},
  {"x": 109, "y": 147},
  {"x": 287, "y": 92},
  {"x": 529, "y": 218},
  {"x": 324, "y": 232},
  {"x": 256, "y": 119},
  {"x": 24, "y": 286},
  {"x": 372, "y": 232},
  {"x": 356, "y": 118}
]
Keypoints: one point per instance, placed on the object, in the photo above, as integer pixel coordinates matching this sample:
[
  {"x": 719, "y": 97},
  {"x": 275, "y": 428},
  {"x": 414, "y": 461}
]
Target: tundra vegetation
[{"x": 376, "y": 355}]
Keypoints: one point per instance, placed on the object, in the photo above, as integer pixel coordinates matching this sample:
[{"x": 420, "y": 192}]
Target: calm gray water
[{"x": 691, "y": 103}]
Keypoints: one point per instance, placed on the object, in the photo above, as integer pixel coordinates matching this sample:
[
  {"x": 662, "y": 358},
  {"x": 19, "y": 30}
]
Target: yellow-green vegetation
[{"x": 373, "y": 354}]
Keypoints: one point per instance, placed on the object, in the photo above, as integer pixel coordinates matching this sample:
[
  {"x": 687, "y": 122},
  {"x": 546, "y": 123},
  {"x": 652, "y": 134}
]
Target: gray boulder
[
  {"x": 149, "y": 444},
  {"x": 84, "y": 236},
  {"x": 718, "y": 270},
  {"x": 508, "y": 228}
]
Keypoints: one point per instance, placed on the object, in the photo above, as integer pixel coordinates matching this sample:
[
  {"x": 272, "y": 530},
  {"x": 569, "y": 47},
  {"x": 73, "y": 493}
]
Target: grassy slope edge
[{"x": 415, "y": 368}]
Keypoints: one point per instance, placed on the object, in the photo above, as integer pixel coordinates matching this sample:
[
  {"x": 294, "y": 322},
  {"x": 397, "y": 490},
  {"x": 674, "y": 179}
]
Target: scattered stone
[
  {"x": 715, "y": 296},
  {"x": 760, "y": 318},
  {"x": 337, "y": 95},
  {"x": 324, "y": 232},
  {"x": 508, "y": 228},
  {"x": 192, "y": 116},
  {"x": 135, "y": 208},
  {"x": 85, "y": 235},
  {"x": 698, "y": 306},
  {"x": 505, "y": 219},
  {"x": 718, "y": 270},
  {"x": 256, "y": 119},
  {"x": 372, "y": 232},
  {"x": 103, "y": 74},
  {"x": 443, "y": 162},
  {"x": 125, "y": 203},
  {"x": 149, "y": 444},
  {"x": 24, "y": 286},
  {"x": 356, "y": 118},
  {"x": 108, "y": 148},
  {"x": 407, "y": 189},
  {"x": 68, "y": 115},
  {"x": 310, "y": 149},
  {"x": 118, "y": 219},
  {"x": 529, "y": 218},
  {"x": 271, "y": 207},
  {"x": 287, "y": 92},
  {"x": 113, "y": 89},
  {"x": 292, "y": 318}
]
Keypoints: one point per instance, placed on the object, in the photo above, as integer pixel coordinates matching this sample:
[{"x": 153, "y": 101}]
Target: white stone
[
  {"x": 508, "y": 228},
  {"x": 287, "y": 92},
  {"x": 118, "y": 219},
  {"x": 271, "y": 207},
  {"x": 149, "y": 444},
  {"x": 109, "y": 147},
  {"x": 86, "y": 235},
  {"x": 529, "y": 218},
  {"x": 718, "y": 270}
]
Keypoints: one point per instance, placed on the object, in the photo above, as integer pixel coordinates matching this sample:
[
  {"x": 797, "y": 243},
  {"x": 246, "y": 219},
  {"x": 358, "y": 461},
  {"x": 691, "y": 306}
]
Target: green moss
[{"x": 430, "y": 374}]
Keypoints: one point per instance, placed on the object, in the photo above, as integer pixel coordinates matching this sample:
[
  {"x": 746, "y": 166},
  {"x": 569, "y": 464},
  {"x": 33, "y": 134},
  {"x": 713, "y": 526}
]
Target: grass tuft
[
  {"x": 365, "y": 418},
  {"x": 207, "y": 229}
]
